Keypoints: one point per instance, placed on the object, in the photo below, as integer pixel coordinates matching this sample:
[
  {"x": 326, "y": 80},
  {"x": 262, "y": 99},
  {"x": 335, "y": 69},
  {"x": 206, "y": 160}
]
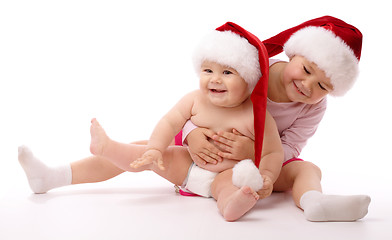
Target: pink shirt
[{"x": 296, "y": 123}]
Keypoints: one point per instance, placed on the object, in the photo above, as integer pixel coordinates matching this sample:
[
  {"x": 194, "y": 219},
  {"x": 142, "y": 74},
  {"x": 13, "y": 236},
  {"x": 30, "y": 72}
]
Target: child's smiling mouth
[{"x": 299, "y": 90}]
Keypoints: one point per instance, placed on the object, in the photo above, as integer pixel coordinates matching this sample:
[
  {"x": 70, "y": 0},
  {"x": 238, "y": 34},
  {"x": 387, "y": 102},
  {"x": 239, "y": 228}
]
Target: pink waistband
[
  {"x": 291, "y": 160},
  {"x": 185, "y": 192},
  {"x": 178, "y": 139}
]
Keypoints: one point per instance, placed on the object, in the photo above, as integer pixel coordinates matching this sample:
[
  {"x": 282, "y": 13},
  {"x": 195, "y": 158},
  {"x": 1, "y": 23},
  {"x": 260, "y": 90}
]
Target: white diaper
[
  {"x": 199, "y": 181},
  {"x": 245, "y": 173}
]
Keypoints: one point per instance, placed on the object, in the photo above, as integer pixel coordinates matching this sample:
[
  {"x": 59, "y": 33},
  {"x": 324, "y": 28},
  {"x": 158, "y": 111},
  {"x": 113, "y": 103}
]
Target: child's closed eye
[
  {"x": 322, "y": 87},
  {"x": 306, "y": 70}
]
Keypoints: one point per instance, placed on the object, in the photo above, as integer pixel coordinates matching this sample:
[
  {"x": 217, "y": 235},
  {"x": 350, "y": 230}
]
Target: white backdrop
[{"x": 127, "y": 62}]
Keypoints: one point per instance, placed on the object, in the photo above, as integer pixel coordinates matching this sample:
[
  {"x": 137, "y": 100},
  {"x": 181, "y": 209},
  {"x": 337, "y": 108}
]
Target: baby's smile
[{"x": 218, "y": 90}]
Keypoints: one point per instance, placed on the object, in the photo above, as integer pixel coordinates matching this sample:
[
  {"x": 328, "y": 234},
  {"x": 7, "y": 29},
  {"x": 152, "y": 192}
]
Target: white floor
[{"x": 130, "y": 206}]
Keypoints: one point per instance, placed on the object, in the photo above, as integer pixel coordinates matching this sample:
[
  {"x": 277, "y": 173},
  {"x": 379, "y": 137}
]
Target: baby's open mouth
[{"x": 217, "y": 90}]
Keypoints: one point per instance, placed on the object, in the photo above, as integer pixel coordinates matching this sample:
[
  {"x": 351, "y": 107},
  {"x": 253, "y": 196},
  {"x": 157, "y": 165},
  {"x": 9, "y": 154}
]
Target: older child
[
  {"x": 229, "y": 69},
  {"x": 324, "y": 55}
]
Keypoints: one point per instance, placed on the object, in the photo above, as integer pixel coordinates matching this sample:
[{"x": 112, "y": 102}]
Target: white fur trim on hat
[
  {"x": 245, "y": 173},
  {"x": 232, "y": 50},
  {"x": 329, "y": 52}
]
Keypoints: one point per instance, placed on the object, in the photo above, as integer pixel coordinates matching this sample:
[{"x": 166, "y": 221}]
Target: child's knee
[{"x": 312, "y": 168}]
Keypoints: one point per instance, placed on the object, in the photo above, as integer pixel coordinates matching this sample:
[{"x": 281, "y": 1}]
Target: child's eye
[
  {"x": 207, "y": 70},
  {"x": 321, "y": 86},
  {"x": 227, "y": 72},
  {"x": 306, "y": 70}
]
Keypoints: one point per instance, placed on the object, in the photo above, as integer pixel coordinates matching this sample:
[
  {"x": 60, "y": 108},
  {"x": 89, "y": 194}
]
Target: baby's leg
[
  {"x": 176, "y": 159},
  {"x": 233, "y": 202},
  {"x": 120, "y": 154}
]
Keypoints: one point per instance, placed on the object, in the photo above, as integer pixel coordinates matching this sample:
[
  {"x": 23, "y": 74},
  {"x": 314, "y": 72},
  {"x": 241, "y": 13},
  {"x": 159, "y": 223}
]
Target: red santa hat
[
  {"x": 331, "y": 43},
  {"x": 234, "y": 46},
  {"x": 228, "y": 46}
]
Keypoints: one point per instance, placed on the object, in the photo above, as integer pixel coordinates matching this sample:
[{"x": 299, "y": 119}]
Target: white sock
[
  {"x": 319, "y": 207},
  {"x": 41, "y": 177}
]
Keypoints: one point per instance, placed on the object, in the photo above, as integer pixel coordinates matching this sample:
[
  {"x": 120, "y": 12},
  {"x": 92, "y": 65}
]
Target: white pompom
[{"x": 245, "y": 173}]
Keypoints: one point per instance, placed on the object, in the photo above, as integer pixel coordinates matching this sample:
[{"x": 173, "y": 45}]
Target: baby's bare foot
[
  {"x": 240, "y": 202},
  {"x": 99, "y": 139}
]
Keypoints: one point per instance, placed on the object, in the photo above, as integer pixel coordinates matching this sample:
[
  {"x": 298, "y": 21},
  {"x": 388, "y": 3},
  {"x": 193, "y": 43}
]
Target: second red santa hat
[{"x": 334, "y": 45}]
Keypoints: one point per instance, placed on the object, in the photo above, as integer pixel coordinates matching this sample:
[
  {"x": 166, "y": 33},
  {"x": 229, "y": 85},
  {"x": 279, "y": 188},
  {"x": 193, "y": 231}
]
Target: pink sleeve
[
  {"x": 188, "y": 127},
  {"x": 295, "y": 137}
]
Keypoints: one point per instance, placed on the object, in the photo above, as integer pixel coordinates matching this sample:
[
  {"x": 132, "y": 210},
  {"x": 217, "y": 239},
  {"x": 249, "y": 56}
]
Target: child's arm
[
  {"x": 165, "y": 131},
  {"x": 272, "y": 156}
]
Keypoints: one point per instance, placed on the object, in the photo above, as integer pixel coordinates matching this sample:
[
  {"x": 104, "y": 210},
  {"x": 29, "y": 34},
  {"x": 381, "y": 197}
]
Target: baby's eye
[
  {"x": 207, "y": 70},
  {"x": 227, "y": 72},
  {"x": 306, "y": 70}
]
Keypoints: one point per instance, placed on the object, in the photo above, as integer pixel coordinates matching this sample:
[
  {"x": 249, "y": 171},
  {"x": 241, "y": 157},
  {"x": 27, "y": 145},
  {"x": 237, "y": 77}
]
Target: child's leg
[
  {"x": 88, "y": 170},
  {"x": 304, "y": 179},
  {"x": 41, "y": 177},
  {"x": 93, "y": 169},
  {"x": 233, "y": 202}
]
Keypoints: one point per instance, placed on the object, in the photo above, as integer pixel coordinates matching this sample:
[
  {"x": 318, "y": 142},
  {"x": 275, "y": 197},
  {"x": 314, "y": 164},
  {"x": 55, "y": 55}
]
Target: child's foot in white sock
[
  {"x": 41, "y": 177},
  {"x": 319, "y": 207}
]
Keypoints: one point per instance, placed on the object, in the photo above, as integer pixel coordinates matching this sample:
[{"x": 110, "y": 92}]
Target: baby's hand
[
  {"x": 235, "y": 145},
  {"x": 267, "y": 187},
  {"x": 153, "y": 156}
]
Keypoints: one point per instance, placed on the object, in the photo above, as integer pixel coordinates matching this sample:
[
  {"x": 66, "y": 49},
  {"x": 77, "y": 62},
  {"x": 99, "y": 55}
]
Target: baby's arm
[
  {"x": 272, "y": 156},
  {"x": 165, "y": 131}
]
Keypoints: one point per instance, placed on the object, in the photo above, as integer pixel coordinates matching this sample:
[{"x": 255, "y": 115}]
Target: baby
[{"x": 229, "y": 70}]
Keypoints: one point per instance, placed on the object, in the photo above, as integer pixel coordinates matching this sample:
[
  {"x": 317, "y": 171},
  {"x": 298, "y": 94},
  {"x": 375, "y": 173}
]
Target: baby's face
[
  {"x": 305, "y": 82},
  {"x": 223, "y": 85}
]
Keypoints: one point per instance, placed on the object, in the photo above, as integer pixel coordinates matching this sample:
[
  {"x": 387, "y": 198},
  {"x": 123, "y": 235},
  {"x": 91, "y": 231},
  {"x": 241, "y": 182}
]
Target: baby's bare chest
[{"x": 225, "y": 119}]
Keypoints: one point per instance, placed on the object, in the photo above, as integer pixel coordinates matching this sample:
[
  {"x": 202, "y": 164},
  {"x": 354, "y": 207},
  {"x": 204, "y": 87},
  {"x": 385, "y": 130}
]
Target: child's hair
[
  {"x": 332, "y": 44},
  {"x": 229, "y": 49}
]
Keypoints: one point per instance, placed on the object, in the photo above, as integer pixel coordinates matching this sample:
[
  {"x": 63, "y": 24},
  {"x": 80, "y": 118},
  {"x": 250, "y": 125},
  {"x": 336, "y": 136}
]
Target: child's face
[
  {"x": 305, "y": 82},
  {"x": 223, "y": 85}
]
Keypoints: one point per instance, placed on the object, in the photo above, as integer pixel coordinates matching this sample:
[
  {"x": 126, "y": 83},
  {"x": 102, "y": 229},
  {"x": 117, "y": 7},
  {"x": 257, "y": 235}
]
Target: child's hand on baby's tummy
[
  {"x": 201, "y": 150},
  {"x": 234, "y": 145}
]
